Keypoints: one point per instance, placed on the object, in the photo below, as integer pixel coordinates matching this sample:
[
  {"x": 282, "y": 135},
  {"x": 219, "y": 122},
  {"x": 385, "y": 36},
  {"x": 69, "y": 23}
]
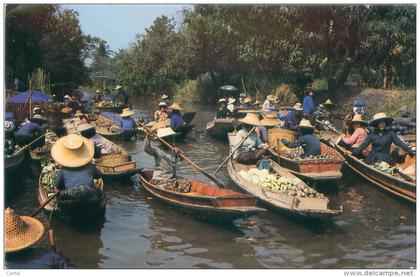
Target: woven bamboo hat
[
  {"x": 298, "y": 107},
  {"x": 379, "y": 117},
  {"x": 78, "y": 113},
  {"x": 127, "y": 112},
  {"x": 271, "y": 97},
  {"x": 73, "y": 151},
  {"x": 222, "y": 100},
  {"x": 247, "y": 100},
  {"x": 98, "y": 90},
  {"x": 328, "y": 103},
  {"x": 21, "y": 232},
  {"x": 66, "y": 110},
  {"x": 176, "y": 106},
  {"x": 270, "y": 119},
  {"x": 305, "y": 124},
  {"x": 357, "y": 118},
  {"x": 118, "y": 87},
  {"x": 251, "y": 119},
  {"x": 164, "y": 96},
  {"x": 256, "y": 102}
]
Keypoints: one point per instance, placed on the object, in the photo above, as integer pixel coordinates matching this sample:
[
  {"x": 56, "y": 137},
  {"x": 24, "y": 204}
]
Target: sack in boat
[{"x": 264, "y": 164}]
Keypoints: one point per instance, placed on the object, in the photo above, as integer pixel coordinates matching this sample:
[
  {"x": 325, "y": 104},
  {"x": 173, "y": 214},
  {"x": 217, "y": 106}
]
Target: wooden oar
[
  {"x": 405, "y": 176},
  {"x": 234, "y": 150},
  {"x": 211, "y": 177},
  {"x": 45, "y": 203},
  {"x": 29, "y": 144}
]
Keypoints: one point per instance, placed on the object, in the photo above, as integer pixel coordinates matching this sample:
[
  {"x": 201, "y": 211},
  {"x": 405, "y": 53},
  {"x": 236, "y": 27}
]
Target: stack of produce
[
  {"x": 384, "y": 167},
  {"x": 102, "y": 123},
  {"x": 175, "y": 184},
  {"x": 277, "y": 183},
  {"x": 48, "y": 175},
  {"x": 50, "y": 137},
  {"x": 299, "y": 154}
]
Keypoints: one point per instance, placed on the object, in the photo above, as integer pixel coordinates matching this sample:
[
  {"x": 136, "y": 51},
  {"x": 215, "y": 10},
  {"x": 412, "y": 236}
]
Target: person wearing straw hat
[
  {"x": 231, "y": 104},
  {"x": 120, "y": 91},
  {"x": 161, "y": 114},
  {"x": 269, "y": 104},
  {"x": 270, "y": 120},
  {"x": 310, "y": 143},
  {"x": 98, "y": 95},
  {"x": 381, "y": 140},
  {"x": 359, "y": 135},
  {"x": 165, "y": 98},
  {"x": 30, "y": 130},
  {"x": 246, "y": 103},
  {"x": 252, "y": 149},
  {"x": 74, "y": 102},
  {"x": 223, "y": 111},
  {"x": 293, "y": 118},
  {"x": 66, "y": 99},
  {"x": 21, "y": 234},
  {"x": 127, "y": 123},
  {"x": 177, "y": 122}
]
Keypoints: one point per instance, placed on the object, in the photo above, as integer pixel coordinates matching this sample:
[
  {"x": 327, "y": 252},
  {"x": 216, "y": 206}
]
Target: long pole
[
  {"x": 211, "y": 177},
  {"x": 45, "y": 203},
  {"x": 29, "y": 144},
  {"x": 234, "y": 150},
  {"x": 243, "y": 85}
]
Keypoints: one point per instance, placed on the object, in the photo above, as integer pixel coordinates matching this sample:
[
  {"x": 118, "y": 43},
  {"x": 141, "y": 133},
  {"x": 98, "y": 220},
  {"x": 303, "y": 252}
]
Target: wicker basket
[
  {"x": 276, "y": 134},
  {"x": 115, "y": 163}
]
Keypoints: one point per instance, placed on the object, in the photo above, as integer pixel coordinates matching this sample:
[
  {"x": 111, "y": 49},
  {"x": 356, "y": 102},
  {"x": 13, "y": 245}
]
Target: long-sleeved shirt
[
  {"x": 127, "y": 124},
  {"x": 161, "y": 115},
  {"x": 292, "y": 121},
  {"x": 310, "y": 143},
  {"x": 357, "y": 138},
  {"x": 381, "y": 145},
  {"x": 80, "y": 176},
  {"x": 308, "y": 105},
  {"x": 176, "y": 121},
  {"x": 268, "y": 106},
  {"x": 252, "y": 142},
  {"x": 164, "y": 164}
]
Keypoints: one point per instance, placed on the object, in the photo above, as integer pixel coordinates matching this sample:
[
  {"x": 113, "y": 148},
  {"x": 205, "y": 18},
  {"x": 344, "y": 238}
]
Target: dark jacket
[
  {"x": 223, "y": 113},
  {"x": 177, "y": 121},
  {"x": 292, "y": 121},
  {"x": 73, "y": 177},
  {"x": 309, "y": 142}
]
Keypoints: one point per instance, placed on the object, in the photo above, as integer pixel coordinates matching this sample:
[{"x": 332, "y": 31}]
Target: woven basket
[
  {"x": 276, "y": 134},
  {"x": 113, "y": 160}
]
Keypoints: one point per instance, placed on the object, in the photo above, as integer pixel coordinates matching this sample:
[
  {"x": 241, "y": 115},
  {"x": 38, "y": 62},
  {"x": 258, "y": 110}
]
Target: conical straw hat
[
  {"x": 73, "y": 151},
  {"x": 271, "y": 97},
  {"x": 251, "y": 119},
  {"x": 127, "y": 112},
  {"x": 270, "y": 119},
  {"x": 176, "y": 106},
  {"x": 381, "y": 116},
  {"x": 162, "y": 104},
  {"x": 304, "y": 123},
  {"x": 164, "y": 96},
  {"x": 357, "y": 118},
  {"x": 78, "y": 113},
  {"x": 328, "y": 103},
  {"x": 66, "y": 110},
  {"x": 256, "y": 102},
  {"x": 221, "y": 100},
  {"x": 118, "y": 87},
  {"x": 247, "y": 99},
  {"x": 21, "y": 232}
]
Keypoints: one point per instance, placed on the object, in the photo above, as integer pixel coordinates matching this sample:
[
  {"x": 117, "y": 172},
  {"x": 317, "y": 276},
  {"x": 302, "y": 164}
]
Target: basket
[
  {"x": 276, "y": 134},
  {"x": 115, "y": 163}
]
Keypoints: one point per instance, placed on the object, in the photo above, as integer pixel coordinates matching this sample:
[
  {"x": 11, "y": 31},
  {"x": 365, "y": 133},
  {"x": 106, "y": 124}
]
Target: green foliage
[
  {"x": 200, "y": 89},
  {"x": 39, "y": 80}
]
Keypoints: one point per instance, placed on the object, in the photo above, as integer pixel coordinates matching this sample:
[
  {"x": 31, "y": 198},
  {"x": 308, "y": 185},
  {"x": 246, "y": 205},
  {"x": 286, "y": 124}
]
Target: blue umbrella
[{"x": 22, "y": 98}]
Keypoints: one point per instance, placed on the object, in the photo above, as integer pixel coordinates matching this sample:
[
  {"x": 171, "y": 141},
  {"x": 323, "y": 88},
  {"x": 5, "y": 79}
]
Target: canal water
[{"x": 374, "y": 231}]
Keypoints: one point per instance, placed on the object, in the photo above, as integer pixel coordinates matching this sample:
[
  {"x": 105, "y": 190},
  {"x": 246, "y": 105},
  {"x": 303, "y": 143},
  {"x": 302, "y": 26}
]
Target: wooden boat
[
  {"x": 108, "y": 106},
  {"x": 44, "y": 152},
  {"x": 312, "y": 170},
  {"x": 205, "y": 201},
  {"x": 169, "y": 135},
  {"x": 86, "y": 216},
  {"x": 116, "y": 166},
  {"x": 393, "y": 184},
  {"x": 103, "y": 127},
  {"x": 219, "y": 127},
  {"x": 13, "y": 162},
  {"x": 276, "y": 200}
]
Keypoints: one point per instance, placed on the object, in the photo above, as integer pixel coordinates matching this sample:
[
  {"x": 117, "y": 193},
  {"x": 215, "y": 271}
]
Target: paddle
[
  {"x": 211, "y": 177},
  {"x": 29, "y": 144},
  {"x": 45, "y": 203},
  {"x": 405, "y": 176},
  {"x": 234, "y": 150}
]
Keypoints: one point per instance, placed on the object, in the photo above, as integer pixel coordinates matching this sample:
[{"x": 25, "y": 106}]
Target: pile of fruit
[
  {"x": 48, "y": 175},
  {"x": 278, "y": 183},
  {"x": 384, "y": 167},
  {"x": 50, "y": 137},
  {"x": 299, "y": 154},
  {"x": 102, "y": 123},
  {"x": 175, "y": 184}
]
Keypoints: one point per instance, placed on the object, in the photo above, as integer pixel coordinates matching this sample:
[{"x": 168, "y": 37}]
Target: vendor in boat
[
  {"x": 98, "y": 95},
  {"x": 309, "y": 106},
  {"x": 66, "y": 100},
  {"x": 120, "y": 91},
  {"x": 293, "y": 118},
  {"x": 252, "y": 149},
  {"x": 30, "y": 130},
  {"x": 381, "y": 139},
  {"x": 77, "y": 173},
  {"x": 231, "y": 105},
  {"x": 359, "y": 135},
  {"x": 161, "y": 114},
  {"x": 223, "y": 111},
  {"x": 127, "y": 123},
  {"x": 82, "y": 116},
  {"x": 74, "y": 103},
  {"x": 101, "y": 144},
  {"x": 310, "y": 143},
  {"x": 165, "y": 98},
  {"x": 270, "y": 120},
  {"x": 21, "y": 233},
  {"x": 165, "y": 163},
  {"x": 177, "y": 122},
  {"x": 270, "y": 104},
  {"x": 246, "y": 104}
]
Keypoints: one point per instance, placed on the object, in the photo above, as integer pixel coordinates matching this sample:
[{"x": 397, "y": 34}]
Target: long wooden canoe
[
  {"x": 277, "y": 200},
  {"x": 205, "y": 201},
  {"x": 393, "y": 184},
  {"x": 220, "y": 127}
]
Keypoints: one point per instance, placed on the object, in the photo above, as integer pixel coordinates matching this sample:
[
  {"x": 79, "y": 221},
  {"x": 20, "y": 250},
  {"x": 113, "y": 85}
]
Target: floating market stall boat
[
  {"x": 109, "y": 129},
  {"x": 203, "y": 200},
  {"x": 220, "y": 127},
  {"x": 325, "y": 167},
  {"x": 87, "y": 212},
  {"x": 44, "y": 152},
  {"x": 116, "y": 166},
  {"x": 281, "y": 191},
  {"x": 108, "y": 106},
  {"x": 385, "y": 180}
]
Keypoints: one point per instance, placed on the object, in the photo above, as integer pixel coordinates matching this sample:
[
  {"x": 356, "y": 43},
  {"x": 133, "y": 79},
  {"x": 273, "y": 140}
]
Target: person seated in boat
[
  {"x": 30, "y": 130},
  {"x": 75, "y": 179},
  {"x": 66, "y": 99},
  {"x": 82, "y": 116},
  {"x": 359, "y": 135},
  {"x": 246, "y": 104},
  {"x": 309, "y": 107},
  {"x": 223, "y": 111},
  {"x": 381, "y": 140},
  {"x": 161, "y": 114},
  {"x": 37, "y": 110},
  {"x": 231, "y": 105},
  {"x": 74, "y": 103},
  {"x": 252, "y": 149},
  {"x": 270, "y": 104},
  {"x": 21, "y": 235},
  {"x": 101, "y": 144},
  {"x": 165, "y": 163},
  {"x": 120, "y": 91},
  {"x": 177, "y": 122},
  {"x": 165, "y": 98},
  {"x": 293, "y": 118},
  {"x": 270, "y": 120},
  {"x": 98, "y": 95},
  {"x": 127, "y": 123},
  {"x": 310, "y": 143}
]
